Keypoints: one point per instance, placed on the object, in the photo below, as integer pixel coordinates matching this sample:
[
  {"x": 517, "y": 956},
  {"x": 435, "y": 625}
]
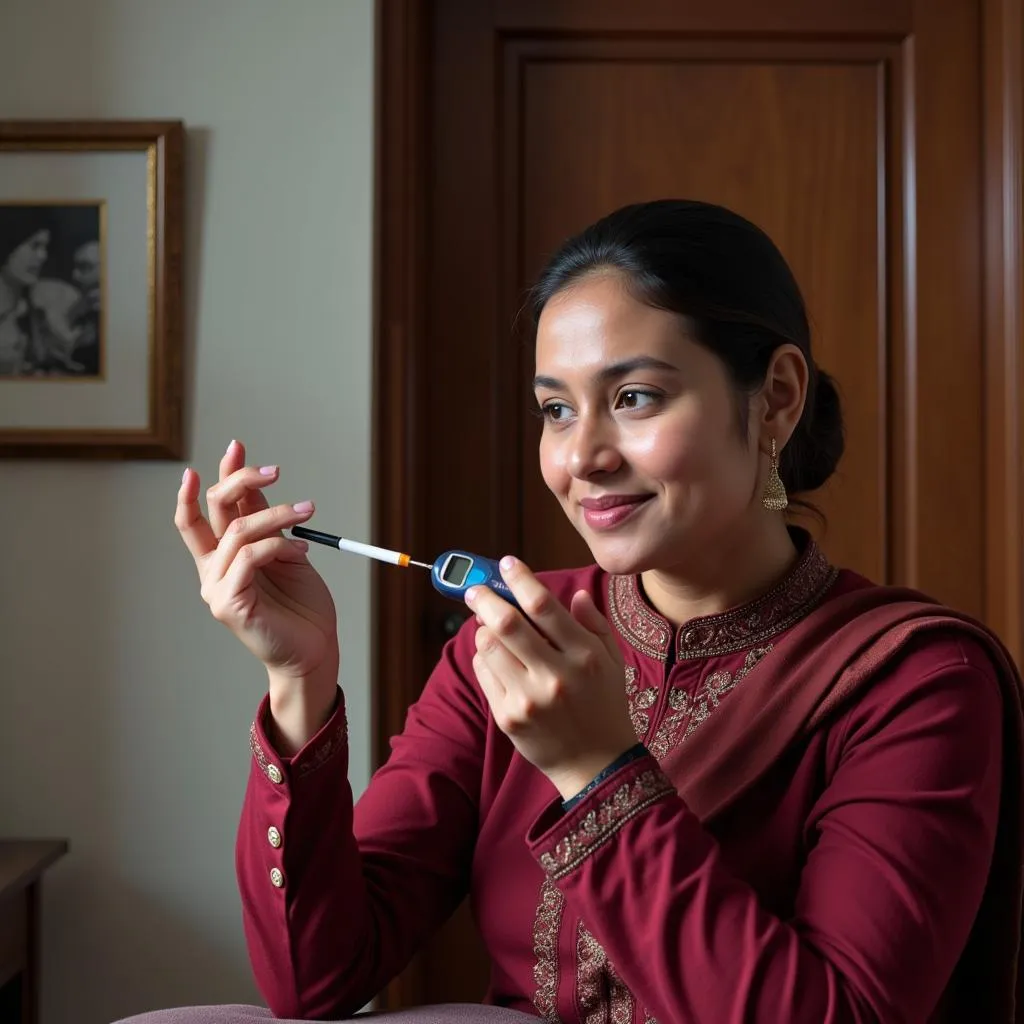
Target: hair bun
[{"x": 818, "y": 442}]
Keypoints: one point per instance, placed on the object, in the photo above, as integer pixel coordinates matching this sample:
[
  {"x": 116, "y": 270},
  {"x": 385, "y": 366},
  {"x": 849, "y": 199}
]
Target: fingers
[
  {"x": 239, "y": 494},
  {"x": 540, "y": 606},
  {"x": 514, "y": 694},
  {"x": 587, "y": 614},
  {"x": 508, "y": 626},
  {"x": 491, "y": 684},
  {"x": 223, "y": 599},
  {"x": 493, "y": 690},
  {"x": 564, "y": 640},
  {"x": 237, "y": 498},
  {"x": 221, "y": 510},
  {"x": 238, "y": 491},
  {"x": 252, "y": 499},
  {"x": 498, "y": 659},
  {"x": 188, "y": 518},
  {"x": 248, "y": 530}
]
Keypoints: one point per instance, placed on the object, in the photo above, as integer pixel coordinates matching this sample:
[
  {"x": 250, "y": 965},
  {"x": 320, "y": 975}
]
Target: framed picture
[{"x": 90, "y": 289}]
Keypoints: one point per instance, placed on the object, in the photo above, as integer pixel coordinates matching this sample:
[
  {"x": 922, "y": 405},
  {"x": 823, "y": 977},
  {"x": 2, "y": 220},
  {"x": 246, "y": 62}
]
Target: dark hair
[
  {"x": 19, "y": 223},
  {"x": 69, "y": 227},
  {"x": 727, "y": 276}
]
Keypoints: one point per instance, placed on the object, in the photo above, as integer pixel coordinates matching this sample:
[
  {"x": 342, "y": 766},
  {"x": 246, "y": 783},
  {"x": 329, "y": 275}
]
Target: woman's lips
[{"x": 611, "y": 510}]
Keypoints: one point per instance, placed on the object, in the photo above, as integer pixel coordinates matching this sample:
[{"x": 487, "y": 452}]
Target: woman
[
  {"x": 821, "y": 820},
  {"x": 25, "y": 234},
  {"x": 39, "y": 329}
]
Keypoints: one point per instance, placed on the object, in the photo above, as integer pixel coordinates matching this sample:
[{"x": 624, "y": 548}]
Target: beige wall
[{"x": 124, "y": 709}]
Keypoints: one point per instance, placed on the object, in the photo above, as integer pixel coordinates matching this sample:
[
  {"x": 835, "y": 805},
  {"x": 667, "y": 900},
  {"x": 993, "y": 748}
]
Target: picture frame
[{"x": 91, "y": 325}]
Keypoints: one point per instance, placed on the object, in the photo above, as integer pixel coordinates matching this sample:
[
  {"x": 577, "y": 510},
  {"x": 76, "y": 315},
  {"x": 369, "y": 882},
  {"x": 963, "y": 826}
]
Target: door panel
[
  {"x": 856, "y": 135},
  {"x": 796, "y": 147}
]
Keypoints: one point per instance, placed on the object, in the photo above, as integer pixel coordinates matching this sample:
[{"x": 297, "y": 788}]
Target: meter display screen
[{"x": 455, "y": 570}]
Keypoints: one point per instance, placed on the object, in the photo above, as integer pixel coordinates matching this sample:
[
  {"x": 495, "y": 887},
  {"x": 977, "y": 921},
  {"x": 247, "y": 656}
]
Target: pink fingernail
[
  {"x": 231, "y": 444},
  {"x": 507, "y": 563},
  {"x": 268, "y": 470},
  {"x": 184, "y": 476},
  {"x": 303, "y": 506}
]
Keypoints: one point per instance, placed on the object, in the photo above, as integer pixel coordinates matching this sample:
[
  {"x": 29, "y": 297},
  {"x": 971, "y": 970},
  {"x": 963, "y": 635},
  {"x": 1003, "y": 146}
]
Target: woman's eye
[
  {"x": 635, "y": 399},
  {"x": 556, "y": 411}
]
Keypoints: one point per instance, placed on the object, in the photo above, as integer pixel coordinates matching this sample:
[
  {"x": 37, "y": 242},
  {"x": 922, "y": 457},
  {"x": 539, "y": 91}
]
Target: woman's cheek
[
  {"x": 552, "y": 467},
  {"x": 668, "y": 453}
]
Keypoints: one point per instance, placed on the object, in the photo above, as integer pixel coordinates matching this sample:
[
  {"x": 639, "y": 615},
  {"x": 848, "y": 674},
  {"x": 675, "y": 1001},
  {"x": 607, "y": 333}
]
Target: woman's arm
[
  {"x": 900, "y": 845},
  {"x": 359, "y": 888}
]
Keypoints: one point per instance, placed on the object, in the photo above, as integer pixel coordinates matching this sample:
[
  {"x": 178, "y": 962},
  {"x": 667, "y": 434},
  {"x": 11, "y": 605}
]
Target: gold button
[
  {"x": 276, "y": 877},
  {"x": 274, "y": 773},
  {"x": 274, "y": 837}
]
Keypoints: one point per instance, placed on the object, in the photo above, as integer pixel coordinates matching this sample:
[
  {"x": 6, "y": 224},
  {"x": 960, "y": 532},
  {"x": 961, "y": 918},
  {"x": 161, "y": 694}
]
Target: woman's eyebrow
[{"x": 610, "y": 372}]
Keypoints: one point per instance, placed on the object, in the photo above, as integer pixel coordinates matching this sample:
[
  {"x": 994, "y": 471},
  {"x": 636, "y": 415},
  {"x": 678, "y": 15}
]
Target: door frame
[
  {"x": 1003, "y": 330},
  {"x": 401, "y": 201},
  {"x": 401, "y": 161}
]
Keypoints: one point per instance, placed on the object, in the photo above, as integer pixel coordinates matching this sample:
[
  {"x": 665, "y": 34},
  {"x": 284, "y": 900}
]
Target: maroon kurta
[{"x": 841, "y": 886}]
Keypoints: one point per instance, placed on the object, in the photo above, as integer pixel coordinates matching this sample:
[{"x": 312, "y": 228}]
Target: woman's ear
[{"x": 784, "y": 394}]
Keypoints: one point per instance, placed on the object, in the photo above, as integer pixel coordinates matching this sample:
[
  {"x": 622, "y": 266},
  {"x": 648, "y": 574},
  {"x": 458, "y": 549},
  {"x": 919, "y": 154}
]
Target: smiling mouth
[{"x": 611, "y": 511}]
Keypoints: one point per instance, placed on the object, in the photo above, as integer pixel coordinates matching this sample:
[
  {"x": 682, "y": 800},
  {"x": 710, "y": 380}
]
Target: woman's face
[
  {"x": 641, "y": 441},
  {"x": 25, "y": 263}
]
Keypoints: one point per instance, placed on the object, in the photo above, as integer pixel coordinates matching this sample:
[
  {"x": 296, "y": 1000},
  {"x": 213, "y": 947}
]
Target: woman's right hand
[{"x": 256, "y": 581}]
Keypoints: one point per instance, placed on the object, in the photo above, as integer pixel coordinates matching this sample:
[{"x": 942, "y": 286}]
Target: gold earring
[{"x": 774, "y": 498}]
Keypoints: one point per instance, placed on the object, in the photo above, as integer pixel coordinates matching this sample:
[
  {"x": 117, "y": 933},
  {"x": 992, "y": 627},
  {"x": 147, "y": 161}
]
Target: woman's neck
[{"x": 755, "y": 561}]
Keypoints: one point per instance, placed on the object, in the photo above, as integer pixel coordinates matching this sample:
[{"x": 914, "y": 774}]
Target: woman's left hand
[{"x": 554, "y": 678}]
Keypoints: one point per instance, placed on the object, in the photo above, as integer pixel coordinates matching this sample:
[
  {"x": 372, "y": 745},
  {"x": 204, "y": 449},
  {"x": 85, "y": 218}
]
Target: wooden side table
[{"x": 22, "y": 863}]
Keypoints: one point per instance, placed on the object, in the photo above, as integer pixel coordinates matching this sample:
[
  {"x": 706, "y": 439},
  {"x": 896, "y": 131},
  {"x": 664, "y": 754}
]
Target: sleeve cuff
[
  {"x": 636, "y": 751},
  {"x": 329, "y": 741},
  {"x": 561, "y": 842}
]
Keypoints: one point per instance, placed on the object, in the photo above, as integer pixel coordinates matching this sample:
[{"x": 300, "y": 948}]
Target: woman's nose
[{"x": 593, "y": 449}]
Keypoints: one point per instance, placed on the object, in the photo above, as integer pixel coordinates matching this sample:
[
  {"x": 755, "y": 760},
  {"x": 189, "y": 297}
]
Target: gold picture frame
[{"x": 91, "y": 327}]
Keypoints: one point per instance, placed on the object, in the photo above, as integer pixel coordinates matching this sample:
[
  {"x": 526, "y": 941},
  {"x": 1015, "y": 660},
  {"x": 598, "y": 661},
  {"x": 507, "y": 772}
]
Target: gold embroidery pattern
[
  {"x": 328, "y": 747},
  {"x": 749, "y": 625},
  {"x": 546, "y": 927},
  {"x": 640, "y": 703},
  {"x": 640, "y": 624},
  {"x": 599, "y": 825},
  {"x": 688, "y": 712},
  {"x": 326, "y": 750},
  {"x": 257, "y": 750},
  {"x": 603, "y": 996},
  {"x": 764, "y": 618}
]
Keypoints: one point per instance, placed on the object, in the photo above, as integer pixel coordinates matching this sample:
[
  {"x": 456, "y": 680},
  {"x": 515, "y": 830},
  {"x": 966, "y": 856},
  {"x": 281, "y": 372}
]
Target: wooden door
[{"x": 876, "y": 142}]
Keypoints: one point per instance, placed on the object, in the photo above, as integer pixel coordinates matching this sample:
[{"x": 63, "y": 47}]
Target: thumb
[{"x": 586, "y": 613}]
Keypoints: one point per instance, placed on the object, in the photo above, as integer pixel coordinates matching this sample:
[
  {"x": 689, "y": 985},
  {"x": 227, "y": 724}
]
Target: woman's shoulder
[
  {"x": 924, "y": 670},
  {"x": 927, "y": 635}
]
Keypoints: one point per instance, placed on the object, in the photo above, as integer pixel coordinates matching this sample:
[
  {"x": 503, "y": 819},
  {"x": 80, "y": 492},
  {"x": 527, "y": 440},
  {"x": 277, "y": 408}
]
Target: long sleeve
[
  {"x": 897, "y": 851},
  {"x": 336, "y": 898}
]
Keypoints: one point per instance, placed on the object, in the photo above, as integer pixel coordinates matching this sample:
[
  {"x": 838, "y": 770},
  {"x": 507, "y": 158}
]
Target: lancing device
[{"x": 452, "y": 573}]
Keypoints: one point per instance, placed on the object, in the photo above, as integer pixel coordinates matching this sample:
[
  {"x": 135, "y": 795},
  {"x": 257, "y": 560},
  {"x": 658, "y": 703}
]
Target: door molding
[
  {"x": 1003, "y": 41},
  {"x": 400, "y": 208}
]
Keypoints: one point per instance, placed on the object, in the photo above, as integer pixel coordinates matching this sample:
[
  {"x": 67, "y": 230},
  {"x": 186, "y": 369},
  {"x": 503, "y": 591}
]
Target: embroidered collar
[{"x": 742, "y": 627}]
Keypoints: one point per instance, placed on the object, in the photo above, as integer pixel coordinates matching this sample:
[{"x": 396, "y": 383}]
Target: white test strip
[{"x": 371, "y": 551}]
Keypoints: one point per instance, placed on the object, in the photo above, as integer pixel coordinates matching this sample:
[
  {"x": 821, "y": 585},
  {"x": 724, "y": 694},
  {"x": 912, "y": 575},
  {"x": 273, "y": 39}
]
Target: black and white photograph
[
  {"x": 51, "y": 290},
  {"x": 91, "y": 270}
]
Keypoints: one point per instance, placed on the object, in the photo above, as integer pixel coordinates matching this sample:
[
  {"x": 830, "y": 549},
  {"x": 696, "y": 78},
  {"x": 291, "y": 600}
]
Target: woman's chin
[{"x": 620, "y": 559}]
